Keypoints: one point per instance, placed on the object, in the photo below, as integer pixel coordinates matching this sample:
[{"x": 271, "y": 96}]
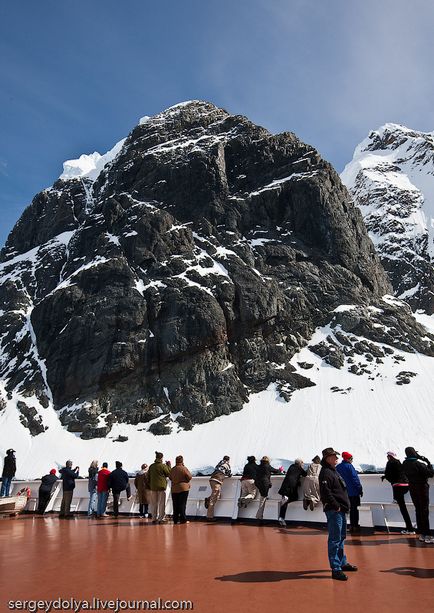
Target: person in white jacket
[{"x": 311, "y": 496}]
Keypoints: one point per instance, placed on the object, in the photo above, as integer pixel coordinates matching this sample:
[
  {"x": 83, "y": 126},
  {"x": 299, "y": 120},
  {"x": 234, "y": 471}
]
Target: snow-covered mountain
[
  {"x": 391, "y": 179},
  {"x": 205, "y": 287}
]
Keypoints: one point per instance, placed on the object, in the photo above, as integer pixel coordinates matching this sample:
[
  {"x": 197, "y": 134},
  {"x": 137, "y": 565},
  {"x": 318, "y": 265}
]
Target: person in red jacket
[{"x": 102, "y": 489}]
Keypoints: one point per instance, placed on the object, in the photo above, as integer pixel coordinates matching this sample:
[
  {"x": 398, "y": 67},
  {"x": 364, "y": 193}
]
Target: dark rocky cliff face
[{"x": 181, "y": 279}]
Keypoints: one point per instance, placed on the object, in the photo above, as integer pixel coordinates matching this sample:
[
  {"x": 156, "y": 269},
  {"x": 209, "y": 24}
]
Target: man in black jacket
[
  {"x": 248, "y": 487},
  {"x": 418, "y": 470},
  {"x": 394, "y": 473},
  {"x": 336, "y": 503},
  {"x": 118, "y": 481},
  {"x": 68, "y": 477},
  {"x": 9, "y": 470}
]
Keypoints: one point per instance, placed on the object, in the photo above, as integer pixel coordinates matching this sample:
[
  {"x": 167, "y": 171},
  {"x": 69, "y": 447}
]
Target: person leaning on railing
[
  {"x": 221, "y": 472},
  {"x": 394, "y": 473},
  {"x": 418, "y": 470},
  {"x": 45, "y": 489},
  {"x": 263, "y": 483}
]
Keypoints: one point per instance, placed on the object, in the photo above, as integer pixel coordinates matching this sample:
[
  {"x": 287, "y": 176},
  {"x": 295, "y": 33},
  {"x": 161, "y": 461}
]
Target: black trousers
[
  {"x": 143, "y": 509},
  {"x": 399, "y": 491},
  {"x": 283, "y": 507},
  {"x": 420, "y": 496},
  {"x": 43, "y": 500},
  {"x": 354, "y": 511},
  {"x": 179, "y": 504},
  {"x": 116, "y": 496}
]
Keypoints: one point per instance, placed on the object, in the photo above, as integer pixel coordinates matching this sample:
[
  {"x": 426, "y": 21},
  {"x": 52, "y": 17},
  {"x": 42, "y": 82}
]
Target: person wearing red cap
[
  {"x": 45, "y": 489},
  {"x": 354, "y": 488}
]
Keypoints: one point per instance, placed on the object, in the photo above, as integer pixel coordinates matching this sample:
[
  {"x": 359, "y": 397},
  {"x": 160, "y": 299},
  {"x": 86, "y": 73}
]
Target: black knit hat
[{"x": 411, "y": 452}]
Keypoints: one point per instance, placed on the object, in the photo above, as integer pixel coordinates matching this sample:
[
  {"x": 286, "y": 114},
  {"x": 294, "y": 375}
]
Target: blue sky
[{"x": 76, "y": 76}]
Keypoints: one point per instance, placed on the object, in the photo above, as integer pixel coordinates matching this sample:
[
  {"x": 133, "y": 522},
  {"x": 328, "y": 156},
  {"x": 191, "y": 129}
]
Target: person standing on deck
[
  {"x": 354, "y": 488},
  {"x": 248, "y": 487},
  {"x": 141, "y": 483},
  {"x": 9, "y": 470},
  {"x": 92, "y": 488},
  {"x": 336, "y": 503},
  {"x": 418, "y": 470},
  {"x": 180, "y": 477},
  {"x": 221, "y": 472},
  {"x": 289, "y": 488},
  {"x": 102, "y": 490},
  {"x": 68, "y": 477},
  {"x": 311, "y": 485},
  {"x": 158, "y": 475},
  {"x": 45, "y": 489},
  {"x": 118, "y": 482},
  {"x": 394, "y": 473}
]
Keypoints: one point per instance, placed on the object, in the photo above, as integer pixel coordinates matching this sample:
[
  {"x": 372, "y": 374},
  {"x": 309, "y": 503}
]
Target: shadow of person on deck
[
  {"x": 269, "y": 576},
  {"x": 376, "y": 543},
  {"x": 412, "y": 571}
]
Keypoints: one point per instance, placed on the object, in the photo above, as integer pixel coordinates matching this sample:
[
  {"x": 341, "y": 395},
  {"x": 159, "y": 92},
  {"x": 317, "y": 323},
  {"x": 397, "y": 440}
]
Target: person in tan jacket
[
  {"x": 180, "y": 477},
  {"x": 141, "y": 483}
]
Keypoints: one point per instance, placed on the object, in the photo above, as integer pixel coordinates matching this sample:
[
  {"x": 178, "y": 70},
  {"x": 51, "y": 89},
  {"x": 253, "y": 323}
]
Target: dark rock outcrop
[{"x": 184, "y": 277}]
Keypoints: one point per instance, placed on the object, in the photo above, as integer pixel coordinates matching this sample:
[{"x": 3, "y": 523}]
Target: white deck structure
[{"x": 377, "y": 509}]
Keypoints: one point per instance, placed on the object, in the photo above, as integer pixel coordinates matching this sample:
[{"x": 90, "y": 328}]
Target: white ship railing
[{"x": 377, "y": 509}]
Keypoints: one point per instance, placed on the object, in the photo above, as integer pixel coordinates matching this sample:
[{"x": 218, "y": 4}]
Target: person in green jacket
[{"x": 158, "y": 475}]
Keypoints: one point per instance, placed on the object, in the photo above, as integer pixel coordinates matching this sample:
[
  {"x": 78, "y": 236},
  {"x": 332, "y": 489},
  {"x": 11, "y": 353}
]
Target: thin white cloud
[{"x": 3, "y": 167}]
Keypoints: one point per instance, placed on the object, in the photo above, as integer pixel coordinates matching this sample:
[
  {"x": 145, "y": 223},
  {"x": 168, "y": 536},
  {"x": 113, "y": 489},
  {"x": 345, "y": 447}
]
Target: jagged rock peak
[
  {"x": 391, "y": 179},
  {"x": 183, "y": 276}
]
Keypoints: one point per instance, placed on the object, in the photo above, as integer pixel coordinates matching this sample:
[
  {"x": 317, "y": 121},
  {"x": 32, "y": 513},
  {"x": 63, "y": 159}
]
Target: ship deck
[{"x": 219, "y": 567}]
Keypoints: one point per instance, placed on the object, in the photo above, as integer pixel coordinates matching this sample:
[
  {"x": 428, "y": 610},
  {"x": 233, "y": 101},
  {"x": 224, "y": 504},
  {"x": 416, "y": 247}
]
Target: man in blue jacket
[{"x": 354, "y": 488}]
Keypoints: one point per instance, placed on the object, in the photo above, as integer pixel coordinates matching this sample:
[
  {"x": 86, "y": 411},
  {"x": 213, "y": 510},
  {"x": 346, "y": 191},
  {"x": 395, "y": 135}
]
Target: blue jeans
[
  {"x": 6, "y": 484},
  {"x": 102, "y": 503},
  {"x": 337, "y": 527},
  {"x": 92, "y": 503}
]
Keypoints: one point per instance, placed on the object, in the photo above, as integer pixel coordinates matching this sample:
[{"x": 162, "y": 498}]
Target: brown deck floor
[{"x": 220, "y": 567}]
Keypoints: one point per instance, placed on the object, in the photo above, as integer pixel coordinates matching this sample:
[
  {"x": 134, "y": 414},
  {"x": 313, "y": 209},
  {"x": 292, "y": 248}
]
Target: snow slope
[{"x": 364, "y": 415}]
